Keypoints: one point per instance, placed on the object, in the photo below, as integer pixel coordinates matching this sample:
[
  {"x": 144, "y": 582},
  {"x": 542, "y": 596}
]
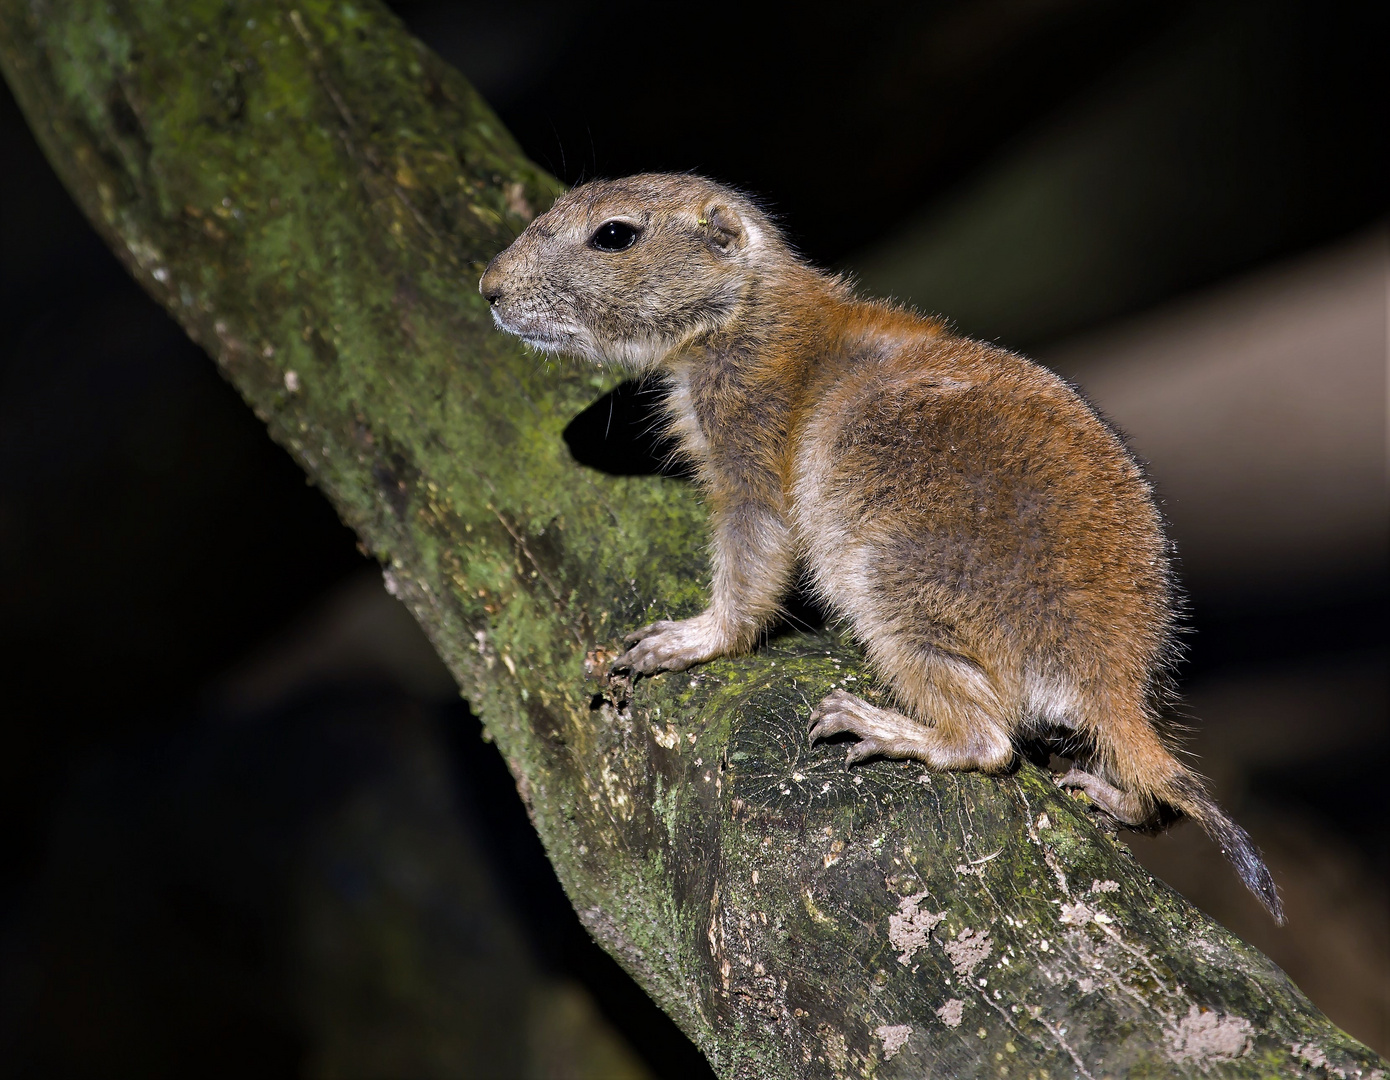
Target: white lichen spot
[
  {"x": 511, "y": 664},
  {"x": 1207, "y": 1036},
  {"x": 894, "y": 1037},
  {"x": 1315, "y": 1057},
  {"x": 392, "y": 585},
  {"x": 160, "y": 274},
  {"x": 1081, "y": 913},
  {"x": 952, "y": 1012},
  {"x": 1044, "y": 822},
  {"x": 908, "y": 929},
  {"x": 969, "y": 950},
  {"x": 1105, "y": 886},
  {"x": 292, "y": 381},
  {"x": 669, "y": 738}
]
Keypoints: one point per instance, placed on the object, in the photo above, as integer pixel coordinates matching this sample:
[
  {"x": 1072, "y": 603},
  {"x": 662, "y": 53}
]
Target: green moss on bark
[{"x": 313, "y": 195}]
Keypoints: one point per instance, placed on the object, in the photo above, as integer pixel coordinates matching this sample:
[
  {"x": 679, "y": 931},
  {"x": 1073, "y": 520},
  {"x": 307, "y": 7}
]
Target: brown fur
[{"x": 992, "y": 542}]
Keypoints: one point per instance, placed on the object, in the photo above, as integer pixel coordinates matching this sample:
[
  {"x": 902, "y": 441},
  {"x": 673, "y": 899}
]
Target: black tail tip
[
  {"x": 1237, "y": 846},
  {"x": 1191, "y": 797},
  {"x": 1259, "y": 881}
]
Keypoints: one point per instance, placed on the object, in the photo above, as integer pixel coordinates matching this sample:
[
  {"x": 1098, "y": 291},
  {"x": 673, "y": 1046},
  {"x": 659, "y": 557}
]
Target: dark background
[{"x": 250, "y": 826}]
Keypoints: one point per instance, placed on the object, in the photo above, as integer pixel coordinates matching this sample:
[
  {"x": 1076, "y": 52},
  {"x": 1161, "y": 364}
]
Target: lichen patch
[
  {"x": 1315, "y": 1057},
  {"x": 1206, "y": 1036},
  {"x": 969, "y": 950},
  {"x": 894, "y": 1037},
  {"x": 952, "y": 1012},
  {"x": 909, "y": 928},
  {"x": 1081, "y": 913}
]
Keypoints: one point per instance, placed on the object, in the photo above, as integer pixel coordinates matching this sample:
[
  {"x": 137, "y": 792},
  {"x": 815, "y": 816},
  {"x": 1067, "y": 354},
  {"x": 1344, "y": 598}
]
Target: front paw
[{"x": 671, "y": 646}]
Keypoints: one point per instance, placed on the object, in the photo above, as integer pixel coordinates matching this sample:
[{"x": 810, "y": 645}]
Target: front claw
[{"x": 672, "y": 646}]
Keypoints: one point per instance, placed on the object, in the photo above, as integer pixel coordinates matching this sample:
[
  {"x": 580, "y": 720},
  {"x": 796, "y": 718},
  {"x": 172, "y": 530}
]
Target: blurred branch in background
[
  {"x": 1261, "y": 407},
  {"x": 1236, "y": 134}
]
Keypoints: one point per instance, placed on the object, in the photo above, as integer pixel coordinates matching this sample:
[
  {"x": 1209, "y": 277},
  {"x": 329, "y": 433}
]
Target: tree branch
[{"x": 313, "y": 195}]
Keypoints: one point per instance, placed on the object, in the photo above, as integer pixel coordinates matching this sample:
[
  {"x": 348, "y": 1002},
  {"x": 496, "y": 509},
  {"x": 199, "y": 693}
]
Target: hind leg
[
  {"x": 1124, "y": 806},
  {"x": 891, "y": 734}
]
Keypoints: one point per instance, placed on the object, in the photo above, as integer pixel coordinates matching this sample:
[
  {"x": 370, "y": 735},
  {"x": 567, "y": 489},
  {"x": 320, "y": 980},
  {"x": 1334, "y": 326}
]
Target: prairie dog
[{"x": 992, "y": 543}]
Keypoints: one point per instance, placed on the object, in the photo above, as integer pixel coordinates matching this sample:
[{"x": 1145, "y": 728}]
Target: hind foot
[
  {"x": 881, "y": 732},
  {"x": 1123, "y": 806},
  {"x": 891, "y": 734}
]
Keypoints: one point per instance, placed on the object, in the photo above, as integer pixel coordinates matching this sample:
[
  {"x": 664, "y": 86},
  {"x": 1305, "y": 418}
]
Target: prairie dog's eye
[{"x": 613, "y": 236}]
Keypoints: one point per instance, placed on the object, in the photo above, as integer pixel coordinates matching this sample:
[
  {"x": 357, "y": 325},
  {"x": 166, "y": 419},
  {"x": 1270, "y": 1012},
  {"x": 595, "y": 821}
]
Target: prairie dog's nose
[{"x": 490, "y": 285}]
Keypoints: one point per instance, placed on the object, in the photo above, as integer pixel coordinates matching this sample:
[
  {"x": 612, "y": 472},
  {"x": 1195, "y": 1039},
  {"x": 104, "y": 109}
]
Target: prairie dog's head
[{"x": 624, "y": 271}]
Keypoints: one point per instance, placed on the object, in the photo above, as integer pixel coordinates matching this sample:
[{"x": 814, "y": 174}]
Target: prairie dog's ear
[{"x": 723, "y": 229}]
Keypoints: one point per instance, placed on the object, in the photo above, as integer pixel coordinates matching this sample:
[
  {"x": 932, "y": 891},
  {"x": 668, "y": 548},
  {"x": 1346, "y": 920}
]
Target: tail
[{"x": 1187, "y": 794}]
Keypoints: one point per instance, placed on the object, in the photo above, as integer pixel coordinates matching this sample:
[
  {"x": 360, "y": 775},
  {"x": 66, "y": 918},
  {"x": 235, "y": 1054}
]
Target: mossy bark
[{"x": 313, "y": 195}]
